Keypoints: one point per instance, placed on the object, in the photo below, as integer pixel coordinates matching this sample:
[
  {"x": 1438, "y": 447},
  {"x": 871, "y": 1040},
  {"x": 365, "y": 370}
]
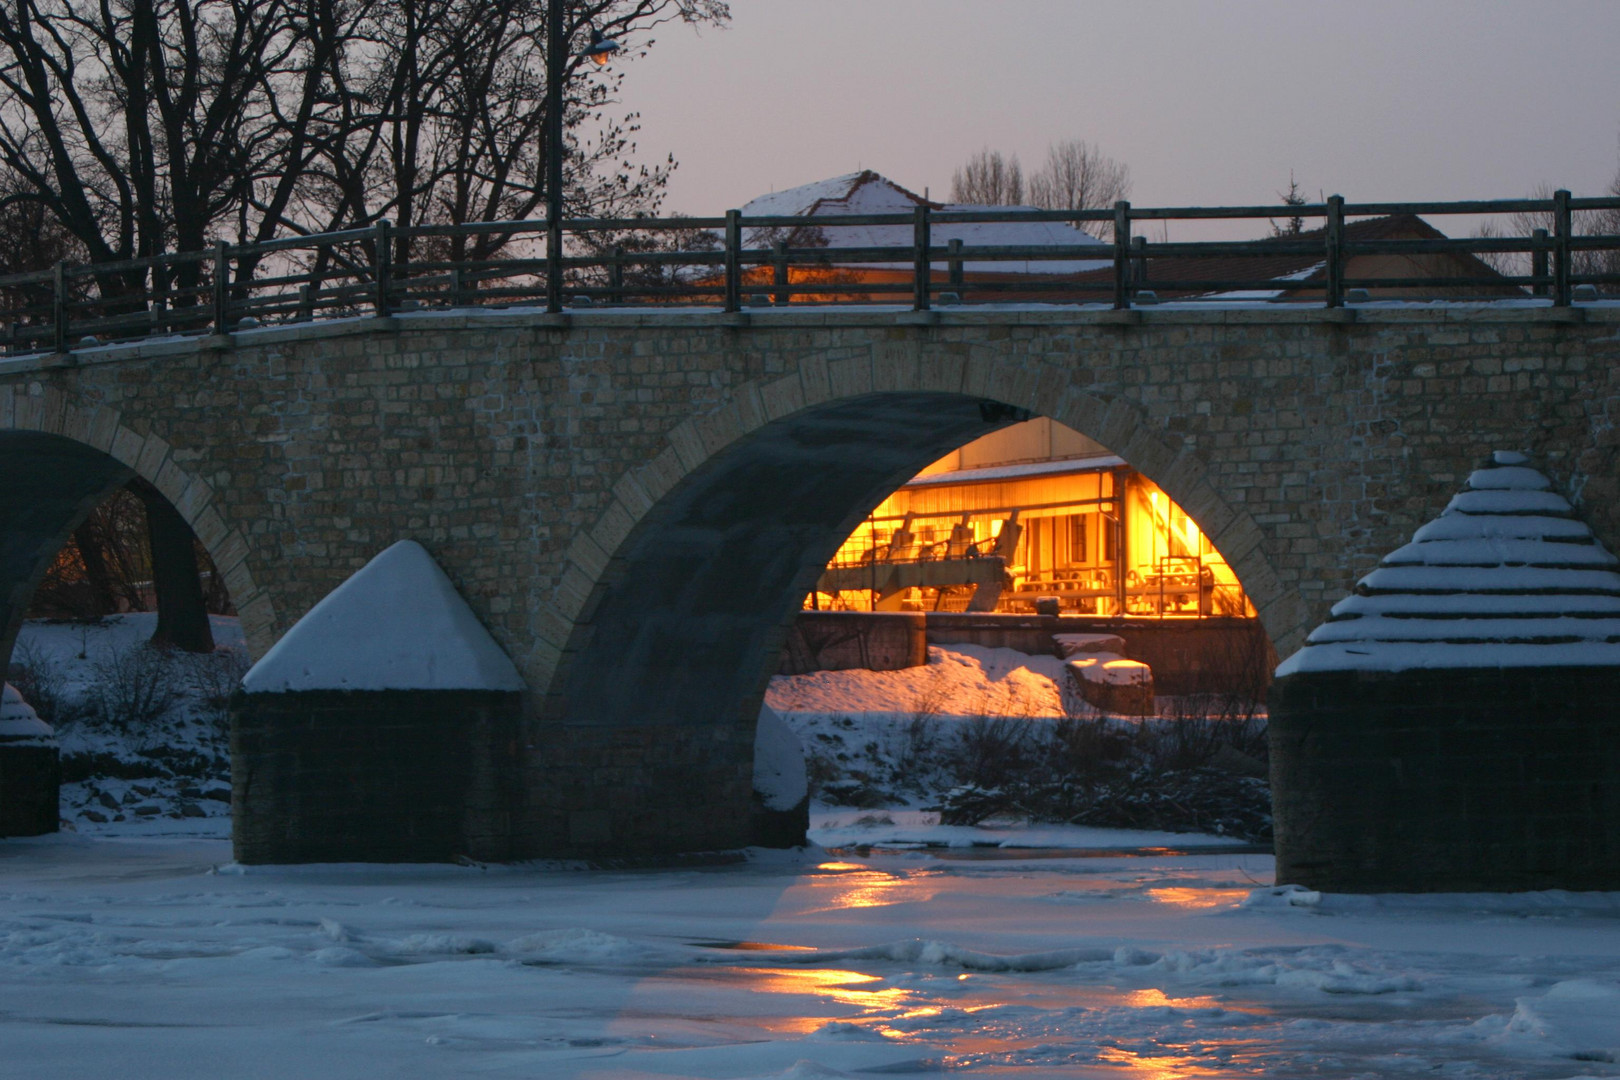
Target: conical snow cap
[
  {"x": 19, "y": 724},
  {"x": 397, "y": 624},
  {"x": 1506, "y": 576}
]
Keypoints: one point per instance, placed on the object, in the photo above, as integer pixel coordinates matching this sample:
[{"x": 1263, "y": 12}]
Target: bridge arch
[
  {"x": 63, "y": 457},
  {"x": 673, "y": 608}
]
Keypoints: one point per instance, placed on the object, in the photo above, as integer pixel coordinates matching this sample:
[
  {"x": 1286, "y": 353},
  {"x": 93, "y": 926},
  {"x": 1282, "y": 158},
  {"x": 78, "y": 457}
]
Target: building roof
[
  {"x": 1309, "y": 269},
  {"x": 867, "y": 192},
  {"x": 1020, "y": 471}
]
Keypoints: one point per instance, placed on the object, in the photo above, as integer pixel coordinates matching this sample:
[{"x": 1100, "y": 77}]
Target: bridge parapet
[{"x": 732, "y": 262}]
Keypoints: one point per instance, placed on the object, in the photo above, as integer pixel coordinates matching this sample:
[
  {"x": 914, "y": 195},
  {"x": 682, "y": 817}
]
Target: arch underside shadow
[
  {"x": 691, "y": 613},
  {"x": 651, "y": 712},
  {"x": 48, "y": 486}
]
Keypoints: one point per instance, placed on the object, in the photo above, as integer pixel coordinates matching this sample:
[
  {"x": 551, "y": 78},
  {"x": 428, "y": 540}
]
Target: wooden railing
[{"x": 774, "y": 261}]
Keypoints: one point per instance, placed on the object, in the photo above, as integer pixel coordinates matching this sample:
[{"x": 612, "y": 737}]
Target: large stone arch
[
  {"x": 63, "y": 457},
  {"x": 654, "y": 659}
]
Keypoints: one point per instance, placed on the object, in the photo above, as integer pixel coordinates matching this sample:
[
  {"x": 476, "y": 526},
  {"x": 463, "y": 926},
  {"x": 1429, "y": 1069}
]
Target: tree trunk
[
  {"x": 96, "y": 574},
  {"x": 182, "y": 610}
]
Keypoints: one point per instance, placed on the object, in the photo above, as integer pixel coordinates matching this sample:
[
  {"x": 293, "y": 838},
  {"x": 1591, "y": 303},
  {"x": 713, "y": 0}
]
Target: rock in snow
[
  {"x": 1506, "y": 576},
  {"x": 397, "y": 624}
]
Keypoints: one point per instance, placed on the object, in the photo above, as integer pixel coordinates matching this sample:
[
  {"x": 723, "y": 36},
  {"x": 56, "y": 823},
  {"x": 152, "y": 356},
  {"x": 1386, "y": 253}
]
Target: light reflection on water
[
  {"x": 860, "y": 886},
  {"x": 1061, "y": 1023},
  {"x": 1158, "y": 1066},
  {"x": 1195, "y": 898},
  {"x": 838, "y": 986}
]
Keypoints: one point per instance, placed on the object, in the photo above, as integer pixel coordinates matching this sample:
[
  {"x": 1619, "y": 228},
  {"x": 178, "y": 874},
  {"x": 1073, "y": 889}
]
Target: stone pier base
[
  {"x": 374, "y": 776},
  {"x": 1447, "y": 780},
  {"x": 30, "y": 778},
  {"x": 636, "y": 790}
]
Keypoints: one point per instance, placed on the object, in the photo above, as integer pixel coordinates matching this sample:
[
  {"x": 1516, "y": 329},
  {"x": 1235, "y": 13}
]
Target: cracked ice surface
[{"x": 149, "y": 956}]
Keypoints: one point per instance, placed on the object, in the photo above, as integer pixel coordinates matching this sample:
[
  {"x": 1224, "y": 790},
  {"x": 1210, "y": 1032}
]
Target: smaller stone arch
[{"x": 94, "y": 451}]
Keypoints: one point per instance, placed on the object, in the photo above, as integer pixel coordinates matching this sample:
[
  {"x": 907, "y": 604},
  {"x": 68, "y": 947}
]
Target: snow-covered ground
[
  {"x": 118, "y": 767},
  {"x": 136, "y": 956},
  {"x": 880, "y": 736}
]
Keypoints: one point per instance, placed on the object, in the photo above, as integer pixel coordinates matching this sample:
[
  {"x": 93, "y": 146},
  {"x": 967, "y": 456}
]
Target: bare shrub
[
  {"x": 1194, "y": 730},
  {"x": 135, "y": 686},
  {"x": 213, "y": 678},
  {"x": 42, "y": 683},
  {"x": 1197, "y": 766}
]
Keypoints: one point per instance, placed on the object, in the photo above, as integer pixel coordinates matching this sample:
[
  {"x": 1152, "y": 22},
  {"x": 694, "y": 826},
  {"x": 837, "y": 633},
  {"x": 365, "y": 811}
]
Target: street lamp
[{"x": 599, "y": 51}]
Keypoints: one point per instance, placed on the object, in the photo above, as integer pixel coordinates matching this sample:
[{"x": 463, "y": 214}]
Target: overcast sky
[{"x": 1207, "y": 101}]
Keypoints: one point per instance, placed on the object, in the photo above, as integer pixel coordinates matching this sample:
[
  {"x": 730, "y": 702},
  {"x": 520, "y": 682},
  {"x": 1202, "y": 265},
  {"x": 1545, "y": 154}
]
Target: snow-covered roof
[
  {"x": 867, "y": 192},
  {"x": 1506, "y": 576},
  {"x": 19, "y": 724},
  {"x": 396, "y": 624}
]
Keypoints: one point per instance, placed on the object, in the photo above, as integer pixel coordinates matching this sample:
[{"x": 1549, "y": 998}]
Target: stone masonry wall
[{"x": 522, "y": 449}]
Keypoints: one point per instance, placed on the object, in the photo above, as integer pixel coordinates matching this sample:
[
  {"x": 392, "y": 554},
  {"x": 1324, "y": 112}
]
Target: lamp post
[{"x": 598, "y": 52}]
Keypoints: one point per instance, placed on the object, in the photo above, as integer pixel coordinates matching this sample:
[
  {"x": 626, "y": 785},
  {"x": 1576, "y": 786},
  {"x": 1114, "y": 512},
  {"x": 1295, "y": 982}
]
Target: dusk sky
[{"x": 1207, "y": 102}]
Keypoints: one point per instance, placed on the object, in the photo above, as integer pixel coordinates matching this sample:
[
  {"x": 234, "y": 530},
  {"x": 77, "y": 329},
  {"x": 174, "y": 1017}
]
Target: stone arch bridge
[{"x": 635, "y": 503}]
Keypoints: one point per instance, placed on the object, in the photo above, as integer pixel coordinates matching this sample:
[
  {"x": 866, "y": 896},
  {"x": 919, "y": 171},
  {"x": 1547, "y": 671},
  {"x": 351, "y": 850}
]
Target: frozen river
[{"x": 124, "y": 957}]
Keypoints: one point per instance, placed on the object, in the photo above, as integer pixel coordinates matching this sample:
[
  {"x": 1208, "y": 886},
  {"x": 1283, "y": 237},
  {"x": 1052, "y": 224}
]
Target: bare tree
[
  {"x": 150, "y": 126},
  {"x": 988, "y": 179},
  {"x": 1079, "y": 176},
  {"x": 1583, "y": 223},
  {"x": 140, "y": 125},
  {"x": 444, "y": 121}
]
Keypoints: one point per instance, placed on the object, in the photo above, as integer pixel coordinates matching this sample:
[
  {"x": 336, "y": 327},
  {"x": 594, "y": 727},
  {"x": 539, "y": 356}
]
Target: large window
[{"x": 1084, "y": 529}]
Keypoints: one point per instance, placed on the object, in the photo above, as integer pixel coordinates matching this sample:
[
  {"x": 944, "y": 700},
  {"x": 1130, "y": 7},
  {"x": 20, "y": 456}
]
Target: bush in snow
[
  {"x": 1186, "y": 772},
  {"x": 135, "y": 685},
  {"x": 42, "y": 683},
  {"x": 211, "y": 679}
]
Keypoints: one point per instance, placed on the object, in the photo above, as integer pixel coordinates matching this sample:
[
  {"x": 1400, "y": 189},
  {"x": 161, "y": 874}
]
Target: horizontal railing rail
[{"x": 1560, "y": 249}]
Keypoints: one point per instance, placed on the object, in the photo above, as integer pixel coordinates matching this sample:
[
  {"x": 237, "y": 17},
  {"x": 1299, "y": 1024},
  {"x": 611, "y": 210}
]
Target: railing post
[
  {"x": 920, "y": 239},
  {"x": 779, "y": 273},
  {"x": 222, "y": 287},
  {"x": 1561, "y": 252},
  {"x": 1138, "y": 261},
  {"x": 458, "y": 288},
  {"x": 1334, "y": 294},
  {"x": 955, "y": 264},
  {"x": 1538, "y": 261},
  {"x": 616, "y": 276},
  {"x": 733, "y": 300},
  {"x": 554, "y": 265},
  {"x": 306, "y": 304},
  {"x": 382, "y": 267},
  {"x": 1122, "y": 254},
  {"x": 59, "y": 304}
]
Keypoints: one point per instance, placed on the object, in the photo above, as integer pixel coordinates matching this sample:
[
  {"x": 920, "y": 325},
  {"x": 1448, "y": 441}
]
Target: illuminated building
[{"x": 1034, "y": 511}]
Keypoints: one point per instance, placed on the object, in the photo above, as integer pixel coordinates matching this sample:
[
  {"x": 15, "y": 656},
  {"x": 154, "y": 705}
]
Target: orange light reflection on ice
[
  {"x": 835, "y": 985},
  {"x": 1155, "y": 1068},
  {"x": 1156, "y": 998},
  {"x": 866, "y": 888},
  {"x": 1186, "y": 897}
]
